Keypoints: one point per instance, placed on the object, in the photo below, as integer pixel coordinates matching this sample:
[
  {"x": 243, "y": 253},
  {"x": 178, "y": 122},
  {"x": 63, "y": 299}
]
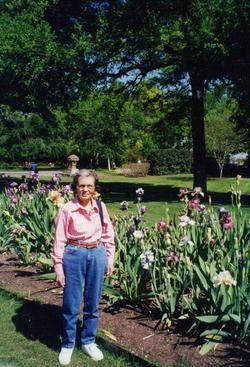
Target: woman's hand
[
  {"x": 60, "y": 278},
  {"x": 110, "y": 270}
]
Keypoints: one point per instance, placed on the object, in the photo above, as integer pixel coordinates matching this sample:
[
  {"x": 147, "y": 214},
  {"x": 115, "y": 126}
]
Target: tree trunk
[
  {"x": 97, "y": 159},
  {"x": 109, "y": 164},
  {"x": 198, "y": 132},
  {"x": 220, "y": 163},
  {"x": 221, "y": 171}
]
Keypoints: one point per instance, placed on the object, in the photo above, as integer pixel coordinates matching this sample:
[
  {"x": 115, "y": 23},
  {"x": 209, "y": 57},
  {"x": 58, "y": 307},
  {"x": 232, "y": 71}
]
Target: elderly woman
[{"x": 83, "y": 253}]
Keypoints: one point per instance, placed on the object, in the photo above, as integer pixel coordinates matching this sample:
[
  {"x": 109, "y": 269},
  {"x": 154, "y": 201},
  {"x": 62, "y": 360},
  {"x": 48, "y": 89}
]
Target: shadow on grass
[
  {"x": 119, "y": 191},
  {"x": 42, "y": 322}
]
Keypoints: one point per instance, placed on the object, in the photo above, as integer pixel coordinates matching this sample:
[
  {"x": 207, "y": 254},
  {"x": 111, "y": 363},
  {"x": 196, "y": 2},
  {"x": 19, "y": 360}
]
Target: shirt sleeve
[
  {"x": 108, "y": 235},
  {"x": 60, "y": 241}
]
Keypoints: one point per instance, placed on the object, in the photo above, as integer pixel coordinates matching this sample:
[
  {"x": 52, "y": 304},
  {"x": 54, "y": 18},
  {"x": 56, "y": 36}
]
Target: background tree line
[{"x": 59, "y": 61}]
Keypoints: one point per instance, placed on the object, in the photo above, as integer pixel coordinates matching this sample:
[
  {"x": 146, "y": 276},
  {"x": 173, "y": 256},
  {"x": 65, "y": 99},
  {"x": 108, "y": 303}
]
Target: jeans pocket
[
  {"x": 70, "y": 250},
  {"x": 103, "y": 255}
]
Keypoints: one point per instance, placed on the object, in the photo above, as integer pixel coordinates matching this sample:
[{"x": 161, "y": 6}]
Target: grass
[
  {"x": 159, "y": 210},
  {"x": 167, "y": 182},
  {"x": 31, "y": 338},
  {"x": 176, "y": 181},
  {"x": 161, "y": 192}
]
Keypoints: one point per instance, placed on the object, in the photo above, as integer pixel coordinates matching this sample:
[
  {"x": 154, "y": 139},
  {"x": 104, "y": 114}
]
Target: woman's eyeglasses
[{"x": 89, "y": 187}]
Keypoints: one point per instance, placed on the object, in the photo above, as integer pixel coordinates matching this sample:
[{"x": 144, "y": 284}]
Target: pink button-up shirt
[{"x": 74, "y": 222}]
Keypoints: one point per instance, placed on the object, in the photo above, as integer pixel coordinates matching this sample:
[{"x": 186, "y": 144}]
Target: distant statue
[{"x": 72, "y": 162}]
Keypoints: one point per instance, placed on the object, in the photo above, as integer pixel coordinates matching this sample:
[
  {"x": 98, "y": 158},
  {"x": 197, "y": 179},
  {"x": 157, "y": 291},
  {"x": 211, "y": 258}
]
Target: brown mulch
[{"x": 133, "y": 329}]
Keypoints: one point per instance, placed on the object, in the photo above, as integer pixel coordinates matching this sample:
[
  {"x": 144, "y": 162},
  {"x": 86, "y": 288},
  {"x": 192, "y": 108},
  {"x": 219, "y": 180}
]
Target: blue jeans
[{"x": 84, "y": 270}]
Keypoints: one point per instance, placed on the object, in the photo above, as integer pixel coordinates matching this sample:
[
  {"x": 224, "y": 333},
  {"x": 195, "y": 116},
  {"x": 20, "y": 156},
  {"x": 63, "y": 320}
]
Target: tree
[
  {"x": 183, "y": 43},
  {"x": 140, "y": 118},
  {"x": 28, "y": 136},
  {"x": 97, "y": 128},
  {"x": 222, "y": 137},
  {"x": 173, "y": 130},
  {"x": 53, "y": 52},
  {"x": 38, "y": 67},
  {"x": 41, "y": 70}
]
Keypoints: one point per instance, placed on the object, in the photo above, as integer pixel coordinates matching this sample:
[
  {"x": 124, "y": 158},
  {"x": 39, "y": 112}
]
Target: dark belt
[{"x": 81, "y": 243}]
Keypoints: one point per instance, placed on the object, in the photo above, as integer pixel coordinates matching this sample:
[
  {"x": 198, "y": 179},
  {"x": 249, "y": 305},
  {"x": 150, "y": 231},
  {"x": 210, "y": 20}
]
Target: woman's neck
[{"x": 86, "y": 203}]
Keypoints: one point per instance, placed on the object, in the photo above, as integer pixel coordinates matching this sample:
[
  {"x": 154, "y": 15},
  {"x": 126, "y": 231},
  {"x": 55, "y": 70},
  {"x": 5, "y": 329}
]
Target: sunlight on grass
[
  {"x": 161, "y": 192},
  {"x": 31, "y": 337},
  {"x": 155, "y": 210},
  {"x": 214, "y": 184},
  {"x": 180, "y": 180},
  {"x": 158, "y": 210}
]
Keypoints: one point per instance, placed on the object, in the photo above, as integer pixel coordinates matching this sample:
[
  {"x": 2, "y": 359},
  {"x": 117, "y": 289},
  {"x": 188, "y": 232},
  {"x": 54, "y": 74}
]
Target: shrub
[
  {"x": 173, "y": 160},
  {"x": 136, "y": 169},
  {"x": 9, "y": 165},
  {"x": 4, "y": 165}
]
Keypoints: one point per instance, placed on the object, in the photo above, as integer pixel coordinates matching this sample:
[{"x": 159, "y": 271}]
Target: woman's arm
[
  {"x": 60, "y": 242},
  {"x": 108, "y": 239}
]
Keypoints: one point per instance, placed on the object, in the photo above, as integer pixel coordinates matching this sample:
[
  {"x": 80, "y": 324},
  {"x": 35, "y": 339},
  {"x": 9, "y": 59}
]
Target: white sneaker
[
  {"x": 65, "y": 355},
  {"x": 93, "y": 351}
]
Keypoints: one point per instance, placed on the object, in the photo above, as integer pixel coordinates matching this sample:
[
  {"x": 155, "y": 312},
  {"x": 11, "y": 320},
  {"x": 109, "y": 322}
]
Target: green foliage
[
  {"x": 97, "y": 124},
  {"x": 30, "y": 237},
  {"x": 200, "y": 268},
  {"x": 130, "y": 276},
  {"x": 5, "y": 220},
  {"x": 192, "y": 266},
  {"x": 173, "y": 160},
  {"x": 28, "y": 136},
  {"x": 169, "y": 280},
  {"x": 222, "y": 137},
  {"x": 115, "y": 126},
  {"x": 54, "y": 53},
  {"x": 180, "y": 47},
  {"x": 24, "y": 233},
  {"x": 39, "y": 67}
]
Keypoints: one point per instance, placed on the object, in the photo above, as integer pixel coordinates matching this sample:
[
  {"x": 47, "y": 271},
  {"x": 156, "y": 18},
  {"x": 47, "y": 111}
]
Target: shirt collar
[{"x": 76, "y": 205}]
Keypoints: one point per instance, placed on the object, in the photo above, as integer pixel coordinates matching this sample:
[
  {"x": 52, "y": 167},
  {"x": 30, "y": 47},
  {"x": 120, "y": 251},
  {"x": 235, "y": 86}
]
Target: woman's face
[{"x": 85, "y": 189}]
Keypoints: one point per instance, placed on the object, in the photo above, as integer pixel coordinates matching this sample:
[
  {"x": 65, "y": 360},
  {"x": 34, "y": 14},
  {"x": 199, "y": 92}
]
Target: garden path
[{"x": 19, "y": 174}]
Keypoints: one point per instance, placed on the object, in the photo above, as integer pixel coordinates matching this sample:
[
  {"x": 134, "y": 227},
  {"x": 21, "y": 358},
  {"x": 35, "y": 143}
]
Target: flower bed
[{"x": 194, "y": 266}]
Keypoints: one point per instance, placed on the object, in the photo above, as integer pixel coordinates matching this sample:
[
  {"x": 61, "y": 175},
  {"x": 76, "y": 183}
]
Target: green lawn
[
  {"x": 158, "y": 210},
  {"x": 31, "y": 337},
  {"x": 215, "y": 185},
  {"x": 161, "y": 192},
  {"x": 177, "y": 181}
]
